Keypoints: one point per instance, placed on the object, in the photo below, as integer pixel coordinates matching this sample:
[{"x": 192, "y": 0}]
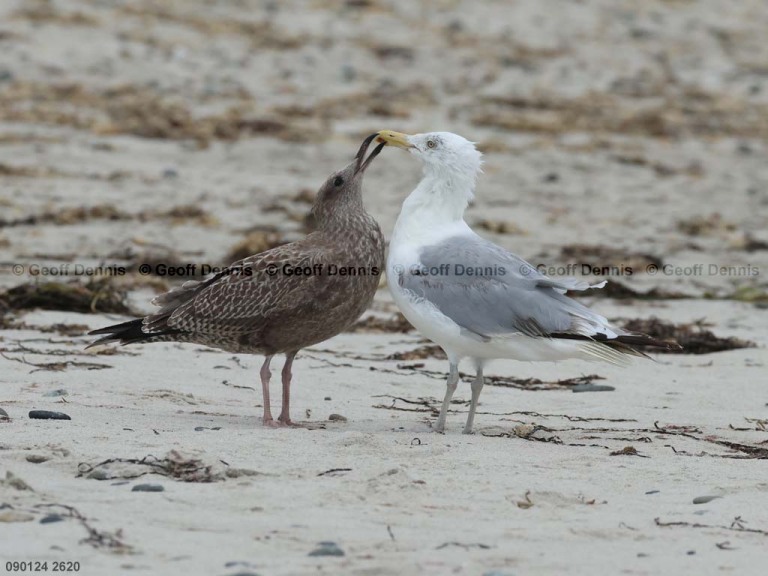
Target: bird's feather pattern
[{"x": 491, "y": 292}]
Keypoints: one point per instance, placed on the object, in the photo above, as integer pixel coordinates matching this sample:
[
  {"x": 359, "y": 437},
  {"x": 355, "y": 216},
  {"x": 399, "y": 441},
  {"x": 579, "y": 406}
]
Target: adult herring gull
[
  {"x": 284, "y": 299},
  {"x": 474, "y": 298}
]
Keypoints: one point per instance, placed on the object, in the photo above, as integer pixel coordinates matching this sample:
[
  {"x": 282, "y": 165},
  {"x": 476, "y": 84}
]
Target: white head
[{"x": 447, "y": 157}]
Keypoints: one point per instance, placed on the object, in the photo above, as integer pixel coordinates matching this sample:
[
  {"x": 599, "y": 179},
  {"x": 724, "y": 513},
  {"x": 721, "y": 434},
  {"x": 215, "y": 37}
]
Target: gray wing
[{"x": 491, "y": 292}]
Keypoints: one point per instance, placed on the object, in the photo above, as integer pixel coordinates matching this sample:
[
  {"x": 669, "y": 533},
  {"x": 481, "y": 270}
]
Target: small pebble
[
  {"x": 148, "y": 488},
  {"x": 592, "y": 388},
  {"x": 244, "y": 568},
  {"x": 455, "y": 26},
  {"x": 524, "y": 430},
  {"x": 14, "y": 516},
  {"x": 51, "y": 518},
  {"x": 4, "y": 415},
  {"x": 348, "y": 73},
  {"x": 327, "y": 398},
  {"x": 337, "y": 418},
  {"x": 237, "y": 563},
  {"x": 99, "y": 474},
  {"x": 37, "y": 458},
  {"x": 57, "y": 392},
  {"x": 48, "y": 415},
  {"x": 653, "y": 492},
  {"x": 327, "y": 549},
  {"x": 705, "y": 499}
]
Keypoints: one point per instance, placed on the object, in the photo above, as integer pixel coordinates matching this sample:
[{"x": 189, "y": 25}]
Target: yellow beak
[{"x": 394, "y": 139}]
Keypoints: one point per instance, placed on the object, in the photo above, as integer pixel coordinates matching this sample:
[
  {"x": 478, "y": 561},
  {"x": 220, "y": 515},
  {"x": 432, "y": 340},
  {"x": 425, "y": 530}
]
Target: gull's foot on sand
[
  {"x": 270, "y": 423},
  {"x": 288, "y": 423}
]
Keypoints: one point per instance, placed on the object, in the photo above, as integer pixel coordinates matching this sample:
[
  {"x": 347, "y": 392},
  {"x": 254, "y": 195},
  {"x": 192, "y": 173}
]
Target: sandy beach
[{"x": 622, "y": 141}]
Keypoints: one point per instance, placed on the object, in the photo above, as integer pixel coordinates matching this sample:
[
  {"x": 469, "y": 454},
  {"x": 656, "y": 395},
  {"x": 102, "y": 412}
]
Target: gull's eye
[
  {"x": 338, "y": 181},
  {"x": 431, "y": 144}
]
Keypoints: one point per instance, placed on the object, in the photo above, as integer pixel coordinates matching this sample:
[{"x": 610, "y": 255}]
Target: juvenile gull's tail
[{"x": 129, "y": 333}]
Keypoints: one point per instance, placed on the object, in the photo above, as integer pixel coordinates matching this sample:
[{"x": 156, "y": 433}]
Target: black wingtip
[
  {"x": 116, "y": 328},
  {"x": 124, "y": 333},
  {"x": 624, "y": 342}
]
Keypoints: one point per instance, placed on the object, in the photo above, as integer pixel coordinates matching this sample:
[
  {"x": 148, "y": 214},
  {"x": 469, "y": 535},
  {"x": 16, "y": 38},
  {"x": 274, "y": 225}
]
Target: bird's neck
[
  {"x": 439, "y": 201},
  {"x": 334, "y": 214}
]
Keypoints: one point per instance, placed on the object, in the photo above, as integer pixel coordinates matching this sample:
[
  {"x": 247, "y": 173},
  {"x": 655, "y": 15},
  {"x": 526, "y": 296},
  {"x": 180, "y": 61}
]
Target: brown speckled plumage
[{"x": 259, "y": 307}]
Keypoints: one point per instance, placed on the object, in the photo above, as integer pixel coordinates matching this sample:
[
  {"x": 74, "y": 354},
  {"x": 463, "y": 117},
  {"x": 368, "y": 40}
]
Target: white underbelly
[{"x": 458, "y": 343}]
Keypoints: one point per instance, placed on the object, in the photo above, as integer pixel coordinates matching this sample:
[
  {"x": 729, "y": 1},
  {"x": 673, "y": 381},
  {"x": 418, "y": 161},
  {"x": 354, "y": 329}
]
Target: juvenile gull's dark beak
[{"x": 361, "y": 163}]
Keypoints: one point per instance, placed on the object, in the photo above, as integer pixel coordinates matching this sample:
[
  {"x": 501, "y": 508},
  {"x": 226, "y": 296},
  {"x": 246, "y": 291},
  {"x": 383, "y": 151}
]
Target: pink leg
[
  {"x": 267, "y": 420},
  {"x": 285, "y": 413}
]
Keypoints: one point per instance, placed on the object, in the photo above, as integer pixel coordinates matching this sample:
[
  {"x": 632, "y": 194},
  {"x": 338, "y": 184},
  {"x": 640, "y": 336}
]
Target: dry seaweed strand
[
  {"x": 57, "y": 366},
  {"x": 502, "y": 381},
  {"x": 183, "y": 214},
  {"x": 394, "y": 324},
  {"x": 96, "y": 538},
  {"x": 179, "y": 468},
  {"x": 693, "y": 337},
  {"x": 96, "y": 295},
  {"x": 597, "y": 256},
  {"x": 419, "y": 353},
  {"x": 680, "y": 112},
  {"x": 737, "y": 526},
  {"x": 141, "y": 111},
  {"x": 620, "y": 291}
]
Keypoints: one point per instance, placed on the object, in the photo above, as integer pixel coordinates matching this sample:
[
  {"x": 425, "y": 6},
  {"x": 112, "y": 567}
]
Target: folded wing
[{"x": 491, "y": 293}]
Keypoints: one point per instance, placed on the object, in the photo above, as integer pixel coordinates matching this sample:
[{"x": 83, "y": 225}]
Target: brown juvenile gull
[
  {"x": 284, "y": 299},
  {"x": 474, "y": 298}
]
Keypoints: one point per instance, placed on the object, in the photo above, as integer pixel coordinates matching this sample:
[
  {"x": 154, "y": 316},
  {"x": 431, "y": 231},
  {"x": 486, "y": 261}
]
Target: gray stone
[
  {"x": 37, "y": 458},
  {"x": 99, "y": 474},
  {"x": 148, "y": 488},
  {"x": 592, "y": 388},
  {"x": 705, "y": 499},
  {"x": 48, "y": 415},
  {"x": 327, "y": 549}
]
